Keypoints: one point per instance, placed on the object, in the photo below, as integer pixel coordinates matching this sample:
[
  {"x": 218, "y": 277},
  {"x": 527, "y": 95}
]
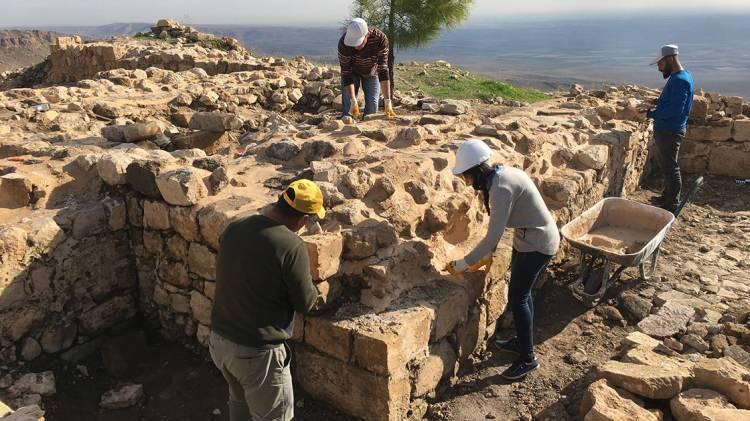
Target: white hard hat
[
  {"x": 355, "y": 32},
  {"x": 470, "y": 154}
]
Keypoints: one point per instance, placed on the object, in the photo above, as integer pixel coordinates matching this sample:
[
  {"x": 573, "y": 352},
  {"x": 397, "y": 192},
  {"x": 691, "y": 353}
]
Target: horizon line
[{"x": 654, "y": 14}]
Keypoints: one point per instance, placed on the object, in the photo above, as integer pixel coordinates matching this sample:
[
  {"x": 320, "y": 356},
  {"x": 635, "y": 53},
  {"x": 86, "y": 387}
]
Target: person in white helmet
[
  {"x": 512, "y": 200},
  {"x": 363, "y": 57}
]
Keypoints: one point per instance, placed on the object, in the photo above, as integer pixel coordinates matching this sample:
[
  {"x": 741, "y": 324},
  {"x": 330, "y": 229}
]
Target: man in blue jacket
[{"x": 670, "y": 120}]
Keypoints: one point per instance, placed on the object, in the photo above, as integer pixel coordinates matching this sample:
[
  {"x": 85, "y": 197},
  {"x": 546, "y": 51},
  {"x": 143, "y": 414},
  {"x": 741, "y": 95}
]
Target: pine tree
[{"x": 411, "y": 23}]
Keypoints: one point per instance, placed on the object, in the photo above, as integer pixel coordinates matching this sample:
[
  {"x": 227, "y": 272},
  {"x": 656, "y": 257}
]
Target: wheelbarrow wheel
[{"x": 647, "y": 273}]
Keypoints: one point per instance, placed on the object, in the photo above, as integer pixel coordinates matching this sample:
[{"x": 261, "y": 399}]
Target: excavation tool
[{"x": 619, "y": 233}]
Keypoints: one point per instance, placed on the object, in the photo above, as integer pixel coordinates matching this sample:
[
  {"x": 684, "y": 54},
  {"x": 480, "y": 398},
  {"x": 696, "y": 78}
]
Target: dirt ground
[{"x": 571, "y": 339}]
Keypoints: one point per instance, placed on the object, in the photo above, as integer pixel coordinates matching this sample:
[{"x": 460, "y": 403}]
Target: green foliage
[
  {"x": 444, "y": 83},
  {"x": 412, "y": 23}
]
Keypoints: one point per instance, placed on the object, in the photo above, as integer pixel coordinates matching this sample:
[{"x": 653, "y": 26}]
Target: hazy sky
[{"x": 282, "y": 12}]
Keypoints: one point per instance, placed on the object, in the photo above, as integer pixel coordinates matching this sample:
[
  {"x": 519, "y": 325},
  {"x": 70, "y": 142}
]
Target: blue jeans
[
  {"x": 524, "y": 269},
  {"x": 371, "y": 88}
]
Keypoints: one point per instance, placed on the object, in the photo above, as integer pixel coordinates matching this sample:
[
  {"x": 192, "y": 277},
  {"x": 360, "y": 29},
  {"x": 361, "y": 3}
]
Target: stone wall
[
  {"x": 718, "y": 137},
  {"x": 68, "y": 277},
  {"x": 71, "y": 61}
]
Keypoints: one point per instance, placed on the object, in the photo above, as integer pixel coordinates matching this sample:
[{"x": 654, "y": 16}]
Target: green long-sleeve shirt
[{"x": 262, "y": 278}]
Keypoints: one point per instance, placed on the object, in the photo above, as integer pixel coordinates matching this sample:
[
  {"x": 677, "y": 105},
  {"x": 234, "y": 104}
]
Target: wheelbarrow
[{"x": 617, "y": 233}]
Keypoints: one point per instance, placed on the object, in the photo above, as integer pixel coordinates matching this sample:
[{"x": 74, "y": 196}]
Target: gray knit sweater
[{"x": 515, "y": 202}]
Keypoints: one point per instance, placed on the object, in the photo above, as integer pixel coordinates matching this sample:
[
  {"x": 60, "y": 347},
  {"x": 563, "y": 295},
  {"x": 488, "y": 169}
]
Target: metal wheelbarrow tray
[{"x": 615, "y": 231}]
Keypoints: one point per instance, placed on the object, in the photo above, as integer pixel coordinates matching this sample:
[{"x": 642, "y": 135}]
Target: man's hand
[
  {"x": 354, "y": 109},
  {"x": 456, "y": 267},
  {"x": 389, "y": 108}
]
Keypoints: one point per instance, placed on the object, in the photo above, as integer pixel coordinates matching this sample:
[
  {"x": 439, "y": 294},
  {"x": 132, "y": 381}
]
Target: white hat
[
  {"x": 355, "y": 32},
  {"x": 666, "y": 51},
  {"x": 470, "y": 154}
]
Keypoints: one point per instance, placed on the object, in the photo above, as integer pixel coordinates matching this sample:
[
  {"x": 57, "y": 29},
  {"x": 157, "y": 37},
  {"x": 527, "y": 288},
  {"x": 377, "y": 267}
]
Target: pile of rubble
[
  {"x": 690, "y": 350},
  {"x": 114, "y": 192},
  {"x": 170, "y": 29}
]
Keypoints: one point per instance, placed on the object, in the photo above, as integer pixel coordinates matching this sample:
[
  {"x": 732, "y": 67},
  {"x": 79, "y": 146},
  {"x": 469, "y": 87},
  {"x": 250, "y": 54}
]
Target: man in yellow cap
[{"x": 262, "y": 279}]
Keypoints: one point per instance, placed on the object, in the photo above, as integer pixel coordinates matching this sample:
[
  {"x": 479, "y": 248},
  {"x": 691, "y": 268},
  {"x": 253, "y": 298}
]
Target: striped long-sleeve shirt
[{"x": 367, "y": 62}]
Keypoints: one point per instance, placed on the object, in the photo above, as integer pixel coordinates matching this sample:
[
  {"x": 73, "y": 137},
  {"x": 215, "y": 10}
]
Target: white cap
[
  {"x": 666, "y": 51},
  {"x": 470, "y": 154},
  {"x": 355, "y": 32}
]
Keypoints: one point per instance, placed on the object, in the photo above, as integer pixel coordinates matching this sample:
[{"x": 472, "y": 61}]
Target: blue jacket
[{"x": 673, "y": 110}]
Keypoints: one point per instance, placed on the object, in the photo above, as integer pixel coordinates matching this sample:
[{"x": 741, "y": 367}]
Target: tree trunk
[{"x": 392, "y": 44}]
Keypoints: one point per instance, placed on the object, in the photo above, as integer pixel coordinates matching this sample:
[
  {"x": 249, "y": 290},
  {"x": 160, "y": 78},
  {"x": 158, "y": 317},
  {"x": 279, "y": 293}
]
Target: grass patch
[{"x": 443, "y": 83}]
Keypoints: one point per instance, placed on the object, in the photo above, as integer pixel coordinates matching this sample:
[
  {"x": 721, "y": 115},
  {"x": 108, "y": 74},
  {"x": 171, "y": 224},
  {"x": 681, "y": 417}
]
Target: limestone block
[
  {"x": 324, "y": 251},
  {"x": 211, "y": 142},
  {"x": 639, "y": 339},
  {"x": 704, "y": 404},
  {"x": 30, "y": 349},
  {"x": 726, "y": 376},
  {"x": 201, "y": 306},
  {"x": 367, "y": 238},
  {"x": 741, "y": 131},
  {"x": 385, "y": 343},
  {"x": 183, "y": 186},
  {"x": 602, "y": 402},
  {"x": 155, "y": 215},
  {"x": 141, "y": 131},
  {"x": 107, "y": 314},
  {"x": 184, "y": 220},
  {"x": 141, "y": 176},
  {"x": 352, "y": 390},
  {"x": 59, "y": 337},
  {"x": 668, "y": 320},
  {"x": 470, "y": 335},
  {"x": 124, "y": 396},
  {"x": 40, "y": 383},
  {"x": 332, "y": 337},
  {"x": 213, "y": 219},
  {"x": 409, "y": 136},
  {"x": 283, "y": 151},
  {"x": 729, "y": 161},
  {"x": 89, "y": 221},
  {"x": 202, "y": 261},
  {"x": 174, "y": 273},
  {"x": 215, "y": 122},
  {"x": 112, "y": 168},
  {"x": 116, "y": 212},
  {"x": 699, "y": 110},
  {"x": 454, "y": 107},
  {"x": 15, "y": 191},
  {"x": 647, "y": 381},
  {"x": 709, "y": 133},
  {"x": 593, "y": 156}
]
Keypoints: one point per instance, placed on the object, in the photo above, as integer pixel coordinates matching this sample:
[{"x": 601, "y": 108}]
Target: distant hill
[{"x": 23, "y": 48}]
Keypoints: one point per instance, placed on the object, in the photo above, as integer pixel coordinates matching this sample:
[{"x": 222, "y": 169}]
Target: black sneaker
[
  {"x": 520, "y": 369},
  {"x": 510, "y": 345}
]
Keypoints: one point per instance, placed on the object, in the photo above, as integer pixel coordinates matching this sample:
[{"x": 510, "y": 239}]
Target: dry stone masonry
[{"x": 115, "y": 189}]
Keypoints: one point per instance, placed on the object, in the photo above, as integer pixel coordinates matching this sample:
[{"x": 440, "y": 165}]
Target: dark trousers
[
  {"x": 525, "y": 267},
  {"x": 667, "y": 151}
]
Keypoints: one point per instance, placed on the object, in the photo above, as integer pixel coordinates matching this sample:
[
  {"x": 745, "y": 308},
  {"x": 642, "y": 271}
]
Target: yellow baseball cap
[{"x": 306, "y": 197}]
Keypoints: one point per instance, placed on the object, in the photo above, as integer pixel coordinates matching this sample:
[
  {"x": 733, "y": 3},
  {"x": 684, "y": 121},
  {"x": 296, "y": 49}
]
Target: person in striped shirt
[{"x": 363, "y": 56}]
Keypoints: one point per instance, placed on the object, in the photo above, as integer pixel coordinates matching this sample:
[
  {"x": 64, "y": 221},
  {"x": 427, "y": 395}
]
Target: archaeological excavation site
[{"x": 123, "y": 160}]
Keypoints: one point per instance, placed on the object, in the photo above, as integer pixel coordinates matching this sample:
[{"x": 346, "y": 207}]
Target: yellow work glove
[
  {"x": 354, "y": 110},
  {"x": 389, "y": 108},
  {"x": 456, "y": 267},
  {"x": 486, "y": 262}
]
